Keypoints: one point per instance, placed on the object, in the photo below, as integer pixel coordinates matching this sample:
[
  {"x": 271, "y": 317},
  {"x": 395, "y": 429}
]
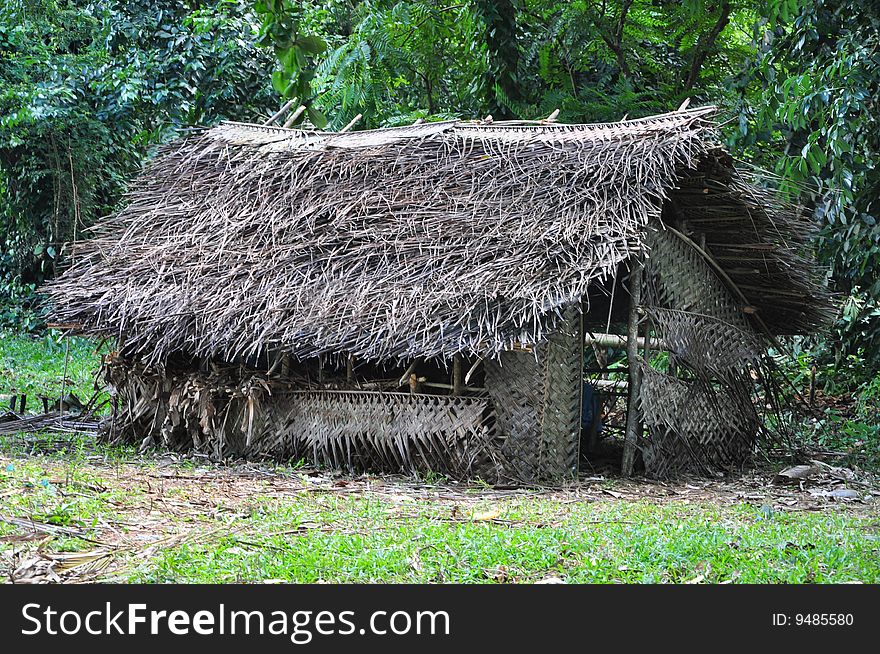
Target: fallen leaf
[
  {"x": 796, "y": 473},
  {"x": 38, "y": 570},
  {"x": 838, "y": 494}
]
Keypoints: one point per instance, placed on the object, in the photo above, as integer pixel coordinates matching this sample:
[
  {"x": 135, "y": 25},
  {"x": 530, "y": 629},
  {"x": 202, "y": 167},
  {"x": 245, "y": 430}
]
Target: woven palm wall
[
  {"x": 537, "y": 400},
  {"x": 699, "y": 412},
  {"x": 527, "y": 427}
]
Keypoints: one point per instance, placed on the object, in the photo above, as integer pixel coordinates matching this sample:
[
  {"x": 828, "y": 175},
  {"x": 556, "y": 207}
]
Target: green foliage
[
  {"x": 395, "y": 62},
  {"x": 502, "y": 85},
  {"x": 85, "y": 90},
  {"x": 53, "y": 148},
  {"x": 294, "y": 49},
  {"x": 390, "y": 60},
  {"x": 846, "y": 396},
  {"x": 813, "y": 121},
  {"x": 857, "y": 437}
]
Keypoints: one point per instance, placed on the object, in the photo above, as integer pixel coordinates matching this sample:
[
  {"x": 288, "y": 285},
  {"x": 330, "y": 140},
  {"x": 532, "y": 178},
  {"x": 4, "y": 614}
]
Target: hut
[{"x": 420, "y": 297}]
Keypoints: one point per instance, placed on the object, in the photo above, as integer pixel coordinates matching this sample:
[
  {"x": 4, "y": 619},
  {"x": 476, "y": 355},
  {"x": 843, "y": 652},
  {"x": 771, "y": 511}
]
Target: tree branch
[
  {"x": 614, "y": 40},
  {"x": 705, "y": 44}
]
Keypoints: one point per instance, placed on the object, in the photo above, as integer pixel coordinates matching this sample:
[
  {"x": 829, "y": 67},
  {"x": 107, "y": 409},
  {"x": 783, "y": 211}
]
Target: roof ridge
[{"x": 479, "y": 124}]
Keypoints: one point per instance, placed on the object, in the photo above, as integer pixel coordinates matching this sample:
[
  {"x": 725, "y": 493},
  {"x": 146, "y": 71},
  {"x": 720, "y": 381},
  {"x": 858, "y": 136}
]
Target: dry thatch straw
[{"x": 244, "y": 240}]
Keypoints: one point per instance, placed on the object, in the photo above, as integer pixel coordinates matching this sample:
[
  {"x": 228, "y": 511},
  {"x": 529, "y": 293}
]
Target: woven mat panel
[
  {"x": 537, "y": 399},
  {"x": 563, "y": 357},
  {"x": 705, "y": 343},
  {"x": 678, "y": 277},
  {"x": 707, "y": 423},
  {"x": 515, "y": 383},
  {"x": 694, "y": 426},
  {"x": 397, "y": 432}
]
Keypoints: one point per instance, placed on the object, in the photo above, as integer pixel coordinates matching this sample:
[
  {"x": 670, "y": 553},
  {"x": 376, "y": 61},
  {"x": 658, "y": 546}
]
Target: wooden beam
[
  {"x": 633, "y": 417},
  {"x": 608, "y": 384},
  {"x": 449, "y": 386},
  {"x": 619, "y": 341}
]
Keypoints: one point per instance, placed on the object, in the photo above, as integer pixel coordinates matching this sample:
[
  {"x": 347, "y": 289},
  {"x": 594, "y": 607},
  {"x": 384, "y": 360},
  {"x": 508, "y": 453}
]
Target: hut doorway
[{"x": 606, "y": 373}]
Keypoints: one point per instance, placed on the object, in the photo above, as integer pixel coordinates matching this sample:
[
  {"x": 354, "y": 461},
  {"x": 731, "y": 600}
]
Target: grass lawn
[
  {"x": 162, "y": 519},
  {"x": 35, "y": 366},
  {"x": 71, "y": 510}
]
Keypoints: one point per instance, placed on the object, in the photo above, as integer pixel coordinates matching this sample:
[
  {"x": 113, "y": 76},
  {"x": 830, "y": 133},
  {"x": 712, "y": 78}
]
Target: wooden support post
[
  {"x": 413, "y": 383},
  {"x": 349, "y": 368},
  {"x": 457, "y": 377},
  {"x": 22, "y": 403},
  {"x": 633, "y": 417}
]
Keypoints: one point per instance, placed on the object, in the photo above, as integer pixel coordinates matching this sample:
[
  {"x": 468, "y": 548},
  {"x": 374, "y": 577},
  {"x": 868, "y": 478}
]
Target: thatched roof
[{"x": 416, "y": 241}]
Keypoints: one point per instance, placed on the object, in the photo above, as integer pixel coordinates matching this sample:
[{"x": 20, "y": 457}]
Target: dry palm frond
[{"x": 427, "y": 240}]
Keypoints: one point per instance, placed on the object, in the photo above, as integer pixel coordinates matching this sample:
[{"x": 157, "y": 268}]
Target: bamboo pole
[
  {"x": 609, "y": 384},
  {"x": 469, "y": 389},
  {"x": 280, "y": 112},
  {"x": 620, "y": 340},
  {"x": 632, "y": 350},
  {"x": 296, "y": 114},
  {"x": 350, "y": 124}
]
